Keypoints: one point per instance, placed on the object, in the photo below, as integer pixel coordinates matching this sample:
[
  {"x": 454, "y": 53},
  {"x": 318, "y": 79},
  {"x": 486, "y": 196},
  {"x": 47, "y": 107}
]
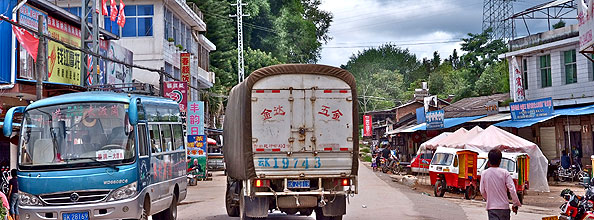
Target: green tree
[
  {"x": 481, "y": 51},
  {"x": 381, "y": 90}
]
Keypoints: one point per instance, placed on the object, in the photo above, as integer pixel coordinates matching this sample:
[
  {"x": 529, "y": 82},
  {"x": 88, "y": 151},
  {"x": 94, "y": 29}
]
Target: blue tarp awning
[
  {"x": 558, "y": 112},
  {"x": 449, "y": 122}
]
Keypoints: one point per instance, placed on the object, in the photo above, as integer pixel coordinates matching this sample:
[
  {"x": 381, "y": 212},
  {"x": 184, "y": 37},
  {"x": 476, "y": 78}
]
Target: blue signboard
[
  {"x": 435, "y": 119},
  {"x": 531, "y": 109},
  {"x": 195, "y": 118},
  {"x": 420, "y": 115}
]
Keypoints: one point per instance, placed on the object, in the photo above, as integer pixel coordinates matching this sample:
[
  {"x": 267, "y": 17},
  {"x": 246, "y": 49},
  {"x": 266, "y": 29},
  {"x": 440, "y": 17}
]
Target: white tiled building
[
  {"x": 552, "y": 67},
  {"x": 150, "y": 24}
]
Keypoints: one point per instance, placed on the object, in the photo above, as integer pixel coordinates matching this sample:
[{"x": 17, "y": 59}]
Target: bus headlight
[
  {"x": 123, "y": 192},
  {"x": 29, "y": 200}
]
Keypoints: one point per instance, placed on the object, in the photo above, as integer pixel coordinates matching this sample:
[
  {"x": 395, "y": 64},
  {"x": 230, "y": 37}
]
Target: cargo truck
[{"x": 291, "y": 142}]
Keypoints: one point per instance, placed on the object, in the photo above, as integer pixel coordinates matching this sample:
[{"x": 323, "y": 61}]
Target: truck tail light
[
  {"x": 345, "y": 182},
  {"x": 261, "y": 183}
]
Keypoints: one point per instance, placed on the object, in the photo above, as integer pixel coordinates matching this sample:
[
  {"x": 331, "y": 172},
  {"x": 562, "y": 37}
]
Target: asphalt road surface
[{"x": 378, "y": 197}]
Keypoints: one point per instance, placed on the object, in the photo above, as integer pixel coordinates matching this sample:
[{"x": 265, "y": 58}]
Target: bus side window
[
  {"x": 142, "y": 146},
  {"x": 178, "y": 137},
  {"x": 166, "y": 141},
  {"x": 155, "y": 141}
]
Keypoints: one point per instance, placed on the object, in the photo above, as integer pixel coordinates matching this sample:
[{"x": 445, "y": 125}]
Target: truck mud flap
[
  {"x": 335, "y": 206},
  {"x": 297, "y": 201},
  {"x": 256, "y": 207}
]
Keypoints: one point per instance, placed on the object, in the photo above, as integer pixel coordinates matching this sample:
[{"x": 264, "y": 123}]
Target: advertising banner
[
  {"x": 367, "y": 126},
  {"x": 195, "y": 118},
  {"x": 518, "y": 88},
  {"x": 420, "y": 115},
  {"x": 111, "y": 72},
  {"x": 28, "y": 16},
  {"x": 63, "y": 64},
  {"x": 531, "y": 109},
  {"x": 585, "y": 24},
  {"x": 197, "y": 153},
  {"x": 435, "y": 119},
  {"x": 492, "y": 107},
  {"x": 178, "y": 91}
]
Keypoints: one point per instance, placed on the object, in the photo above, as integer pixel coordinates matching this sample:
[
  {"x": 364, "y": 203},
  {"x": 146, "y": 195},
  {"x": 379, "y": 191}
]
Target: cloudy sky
[{"x": 423, "y": 26}]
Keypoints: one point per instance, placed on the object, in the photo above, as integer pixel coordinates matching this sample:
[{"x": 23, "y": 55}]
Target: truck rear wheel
[
  {"x": 232, "y": 210},
  {"x": 320, "y": 215}
]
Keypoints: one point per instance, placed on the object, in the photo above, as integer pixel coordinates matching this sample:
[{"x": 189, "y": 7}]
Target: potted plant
[
  {"x": 171, "y": 41},
  {"x": 180, "y": 47}
]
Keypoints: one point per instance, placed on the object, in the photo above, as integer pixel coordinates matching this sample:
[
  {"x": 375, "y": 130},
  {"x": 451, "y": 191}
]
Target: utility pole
[
  {"x": 40, "y": 65},
  {"x": 89, "y": 63},
  {"x": 239, "y": 15}
]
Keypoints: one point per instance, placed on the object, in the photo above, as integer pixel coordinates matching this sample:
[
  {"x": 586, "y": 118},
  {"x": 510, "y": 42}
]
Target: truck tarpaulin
[{"x": 238, "y": 125}]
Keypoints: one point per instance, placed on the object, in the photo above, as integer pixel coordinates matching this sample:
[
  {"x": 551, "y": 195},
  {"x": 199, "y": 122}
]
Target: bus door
[{"x": 144, "y": 160}]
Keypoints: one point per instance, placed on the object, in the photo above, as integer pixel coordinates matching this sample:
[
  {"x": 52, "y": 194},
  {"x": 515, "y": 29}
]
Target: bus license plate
[
  {"x": 298, "y": 184},
  {"x": 550, "y": 218},
  {"x": 75, "y": 216}
]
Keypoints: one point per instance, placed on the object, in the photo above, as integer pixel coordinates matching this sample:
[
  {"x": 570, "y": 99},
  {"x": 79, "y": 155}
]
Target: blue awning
[
  {"x": 558, "y": 112},
  {"x": 449, "y": 122},
  {"x": 524, "y": 122}
]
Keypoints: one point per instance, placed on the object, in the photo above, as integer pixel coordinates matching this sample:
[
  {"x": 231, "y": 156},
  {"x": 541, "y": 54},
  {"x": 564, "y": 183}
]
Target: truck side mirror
[{"x": 7, "y": 130}]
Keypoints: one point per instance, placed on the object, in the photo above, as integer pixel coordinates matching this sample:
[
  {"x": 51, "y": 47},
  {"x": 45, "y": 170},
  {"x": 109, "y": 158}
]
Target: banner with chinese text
[
  {"x": 63, "y": 64},
  {"x": 28, "y": 17},
  {"x": 178, "y": 91},
  {"x": 518, "y": 88},
  {"x": 195, "y": 118},
  {"x": 367, "y": 126},
  {"x": 531, "y": 109},
  {"x": 197, "y": 153}
]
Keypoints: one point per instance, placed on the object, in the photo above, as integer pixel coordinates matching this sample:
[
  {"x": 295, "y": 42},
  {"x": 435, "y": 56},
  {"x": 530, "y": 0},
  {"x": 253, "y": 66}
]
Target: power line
[{"x": 408, "y": 44}]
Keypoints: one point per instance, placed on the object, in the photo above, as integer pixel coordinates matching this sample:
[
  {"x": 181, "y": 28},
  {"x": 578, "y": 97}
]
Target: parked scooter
[
  {"x": 577, "y": 207},
  {"x": 574, "y": 172}
]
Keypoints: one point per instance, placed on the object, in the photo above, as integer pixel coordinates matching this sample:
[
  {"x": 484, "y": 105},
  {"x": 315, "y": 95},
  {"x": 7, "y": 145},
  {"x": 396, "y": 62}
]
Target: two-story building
[{"x": 552, "y": 67}]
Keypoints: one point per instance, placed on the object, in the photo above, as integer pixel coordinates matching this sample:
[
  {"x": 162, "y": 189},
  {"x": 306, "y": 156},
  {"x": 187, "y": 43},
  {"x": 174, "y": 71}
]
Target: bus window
[
  {"x": 155, "y": 141},
  {"x": 142, "y": 148},
  {"x": 178, "y": 136},
  {"x": 166, "y": 142}
]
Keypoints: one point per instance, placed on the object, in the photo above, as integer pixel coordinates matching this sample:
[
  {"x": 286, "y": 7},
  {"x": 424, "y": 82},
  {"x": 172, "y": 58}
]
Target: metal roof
[{"x": 493, "y": 118}]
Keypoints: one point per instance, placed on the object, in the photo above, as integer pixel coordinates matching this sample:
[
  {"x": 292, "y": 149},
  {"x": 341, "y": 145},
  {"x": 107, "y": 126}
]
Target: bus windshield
[{"x": 76, "y": 135}]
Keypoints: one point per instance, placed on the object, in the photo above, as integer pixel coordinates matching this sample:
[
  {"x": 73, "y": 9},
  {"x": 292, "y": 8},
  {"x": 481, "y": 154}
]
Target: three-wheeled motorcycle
[
  {"x": 454, "y": 170},
  {"x": 518, "y": 166}
]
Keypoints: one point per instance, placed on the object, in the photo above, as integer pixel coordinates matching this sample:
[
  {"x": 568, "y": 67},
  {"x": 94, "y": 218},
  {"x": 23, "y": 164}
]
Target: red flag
[
  {"x": 114, "y": 10},
  {"x": 104, "y": 8},
  {"x": 122, "y": 16},
  {"x": 27, "y": 40}
]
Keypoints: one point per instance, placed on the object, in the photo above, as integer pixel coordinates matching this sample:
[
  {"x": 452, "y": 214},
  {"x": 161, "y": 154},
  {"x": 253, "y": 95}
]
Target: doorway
[{"x": 574, "y": 141}]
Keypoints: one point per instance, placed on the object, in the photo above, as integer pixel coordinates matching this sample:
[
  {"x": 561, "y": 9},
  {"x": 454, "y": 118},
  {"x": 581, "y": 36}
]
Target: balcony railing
[{"x": 196, "y": 10}]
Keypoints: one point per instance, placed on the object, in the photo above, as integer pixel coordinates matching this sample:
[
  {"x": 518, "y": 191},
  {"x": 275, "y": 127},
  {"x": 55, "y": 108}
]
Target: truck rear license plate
[
  {"x": 298, "y": 184},
  {"x": 550, "y": 218},
  {"x": 75, "y": 216}
]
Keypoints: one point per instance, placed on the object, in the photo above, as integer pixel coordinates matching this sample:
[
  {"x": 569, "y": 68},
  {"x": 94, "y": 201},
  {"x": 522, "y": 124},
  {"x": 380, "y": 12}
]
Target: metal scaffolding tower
[
  {"x": 495, "y": 14},
  {"x": 239, "y": 15},
  {"x": 89, "y": 40}
]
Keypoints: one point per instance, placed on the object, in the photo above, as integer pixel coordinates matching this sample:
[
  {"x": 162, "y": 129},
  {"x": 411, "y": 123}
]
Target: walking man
[
  {"x": 495, "y": 183},
  {"x": 13, "y": 195}
]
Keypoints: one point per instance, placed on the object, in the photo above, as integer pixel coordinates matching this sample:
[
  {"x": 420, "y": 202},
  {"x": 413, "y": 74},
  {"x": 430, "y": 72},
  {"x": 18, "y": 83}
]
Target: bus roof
[{"x": 97, "y": 96}]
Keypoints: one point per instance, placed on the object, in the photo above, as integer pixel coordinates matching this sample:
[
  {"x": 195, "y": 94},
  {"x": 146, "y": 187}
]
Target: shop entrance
[{"x": 573, "y": 145}]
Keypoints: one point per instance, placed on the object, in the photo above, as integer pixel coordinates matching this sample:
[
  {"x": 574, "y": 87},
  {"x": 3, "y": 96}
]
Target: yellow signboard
[{"x": 63, "y": 64}]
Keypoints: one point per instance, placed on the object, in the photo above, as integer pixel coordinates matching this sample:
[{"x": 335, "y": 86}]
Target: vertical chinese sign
[
  {"x": 184, "y": 60},
  {"x": 178, "y": 91},
  {"x": 196, "y": 138},
  {"x": 518, "y": 88},
  {"x": 367, "y": 126}
]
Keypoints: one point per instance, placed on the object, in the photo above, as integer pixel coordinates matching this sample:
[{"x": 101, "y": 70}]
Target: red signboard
[
  {"x": 178, "y": 91},
  {"x": 367, "y": 129},
  {"x": 185, "y": 67}
]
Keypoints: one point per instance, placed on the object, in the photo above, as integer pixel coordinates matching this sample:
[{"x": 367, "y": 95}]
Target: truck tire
[
  {"x": 242, "y": 214},
  {"x": 306, "y": 212},
  {"x": 320, "y": 215},
  {"x": 232, "y": 210}
]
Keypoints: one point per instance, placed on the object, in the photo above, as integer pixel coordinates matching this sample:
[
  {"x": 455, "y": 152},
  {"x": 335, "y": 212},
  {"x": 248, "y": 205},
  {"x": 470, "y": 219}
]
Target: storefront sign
[
  {"x": 63, "y": 64},
  {"x": 195, "y": 118},
  {"x": 492, "y": 107},
  {"x": 28, "y": 16},
  {"x": 178, "y": 91},
  {"x": 367, "y": 126},
  {"x": 435, "y": 119},
  {"x": 185, "y": 66},
  {"x": 531, "y": 109},
  {"x": 111, "y": 72},
  {"x": 197, "y": 151},
  {"x": 518, "y": 88},
  {"x": 585, "y": 23},
  {"x": 420, "y": 115}
]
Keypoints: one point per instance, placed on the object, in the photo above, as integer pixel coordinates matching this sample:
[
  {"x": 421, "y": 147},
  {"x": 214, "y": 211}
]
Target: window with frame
[
  {"x": 168, "y": 24},
  {"x": 166, "y": 140},
  {"x": 525, "y": 73},
  {"x": 569, "y": 60},
  {"x": 155, "y": 138},
  {"x": 139, "y": 22},
  {"x": 142, "y": 146},
  {"x": 176, "y": 30},
  {"x": 545, "y": 71},
  {"x": 178, "y": 136}
]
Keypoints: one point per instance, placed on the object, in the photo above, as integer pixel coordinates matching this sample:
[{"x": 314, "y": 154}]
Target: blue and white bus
[{"x": 100, "y": 155}]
